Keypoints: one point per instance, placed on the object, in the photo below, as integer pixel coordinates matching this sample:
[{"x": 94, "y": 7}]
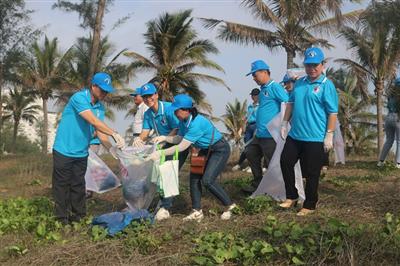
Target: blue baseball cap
[
  {"x": 148, "y": 89},
  {"x": 181, "y": 101},
  {"x": 313, "y": 55},
  {"x": 258, "y": 65},
  {"x": 135, "y": 92},
  {"x": 397, "y": 81},
  {"x": 286, "y": 79},
  {"x": 103, "y": 81}
]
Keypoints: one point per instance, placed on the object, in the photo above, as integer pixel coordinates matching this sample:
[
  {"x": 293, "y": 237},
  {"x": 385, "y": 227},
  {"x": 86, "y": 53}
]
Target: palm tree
[
  {"x": 234, "y": 119},
  {"x": 376, "y": 41},
  {"x": 293, "y": 23},
  {"x": 20, "y": 104},
  {"x": 175, "y": 51},
  {"x": 44, "y": 71}
]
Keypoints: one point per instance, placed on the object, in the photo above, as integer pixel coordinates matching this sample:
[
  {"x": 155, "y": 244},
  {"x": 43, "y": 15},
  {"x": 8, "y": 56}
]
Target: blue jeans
[
  {"x": 216, "y": 163},
  {"x": 392, "y": 129}
]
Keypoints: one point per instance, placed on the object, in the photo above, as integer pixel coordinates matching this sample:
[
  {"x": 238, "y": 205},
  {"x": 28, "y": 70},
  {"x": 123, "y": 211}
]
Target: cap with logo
[
  {"x": 258, "y": 65},
  {"x": 313, "y": 55},
  {"x": 103, "y": 81},
  {"x": 255, "y": 92},
  {"x": 181, "y": 101},
  {"x": 148, "y": 89}
]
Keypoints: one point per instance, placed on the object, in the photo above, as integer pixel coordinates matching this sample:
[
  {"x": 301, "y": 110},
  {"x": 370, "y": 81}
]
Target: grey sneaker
[{"x": 195, "y": 215}]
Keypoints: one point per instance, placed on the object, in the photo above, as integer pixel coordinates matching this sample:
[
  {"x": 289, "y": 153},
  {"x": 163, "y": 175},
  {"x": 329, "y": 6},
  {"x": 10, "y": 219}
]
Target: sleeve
[
  {"x": 181, "y": 130},
  {"x": 80, "y": 103},
  {"x": 194, "y": 133},
  {"x": 330, "y": 98},
  {"x": 102, "y": 113},
  {"x": 147, "y": 121},
  {"x": 280, "y": 93}
]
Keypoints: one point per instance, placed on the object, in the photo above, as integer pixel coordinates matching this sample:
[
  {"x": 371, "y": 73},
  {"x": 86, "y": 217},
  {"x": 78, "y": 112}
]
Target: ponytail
[{"x": 193, "y": 111}]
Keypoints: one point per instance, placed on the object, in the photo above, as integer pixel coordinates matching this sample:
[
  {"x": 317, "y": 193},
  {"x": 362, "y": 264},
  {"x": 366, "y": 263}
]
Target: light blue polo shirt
[
  {"x": 312, "y": 103},
  {"x": 270, "y": 98},
  {"x": 73, "y": 133},
  {"x": 100, "y": 114},
  {"x": 199, "y": 131},
  {"x": 252, "y": 113},
  {"x": 163, "y": 122}
]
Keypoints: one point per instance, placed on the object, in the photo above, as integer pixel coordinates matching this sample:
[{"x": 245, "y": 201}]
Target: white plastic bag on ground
[
  {"x": 272, "y": 182},
  {"x": 168, "y": 182},
  {"x": 99, "y": 178},
  {"x": 136, "y": 174}
]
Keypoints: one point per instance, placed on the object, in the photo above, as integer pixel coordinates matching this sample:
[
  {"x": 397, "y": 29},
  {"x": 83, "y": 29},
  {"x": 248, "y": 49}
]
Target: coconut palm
[
  {"x": 290, "y": 24},
  {"x": 175, "y": 51},
  {"x": 234, "y": 119},
  {"x": 20, "y": 104},
  {"x": 376, "y": 42}
]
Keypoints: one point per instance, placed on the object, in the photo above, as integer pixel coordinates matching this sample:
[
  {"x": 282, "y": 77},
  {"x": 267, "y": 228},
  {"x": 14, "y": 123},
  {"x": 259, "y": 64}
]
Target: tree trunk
[
  {"x": 379, "y": 115},
  {"x": 290, "y": 55},
  {"x": 96, "y": 39},
  {"x": 1, "y": 107},
  {"x": 15, "y": 133},
  {"x": 45, "y": 126}
]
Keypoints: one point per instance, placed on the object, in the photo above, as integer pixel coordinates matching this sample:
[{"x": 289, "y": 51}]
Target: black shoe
[{"x": 249, "y": 189}]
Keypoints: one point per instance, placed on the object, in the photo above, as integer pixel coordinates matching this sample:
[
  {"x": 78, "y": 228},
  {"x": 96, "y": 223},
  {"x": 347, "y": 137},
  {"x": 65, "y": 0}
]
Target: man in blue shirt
[
  {"x": 163, "y": 121},
  {"x": 312, "y": 108},
  {"x": 271, "y": 96},
  {"x": 70, "y": 150}
]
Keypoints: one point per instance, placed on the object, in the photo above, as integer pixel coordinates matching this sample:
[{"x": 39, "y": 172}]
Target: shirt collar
[
  {"x": 160, "y": 109},
  {"x": 89, "y": 97},
  {"x": 271, "y": 81},
  {"x": 320, "y": 79},
  {"x": 188, "y": 121}
]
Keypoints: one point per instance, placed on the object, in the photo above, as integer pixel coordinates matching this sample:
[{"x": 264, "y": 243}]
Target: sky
[{"x": 234, "y": 58}]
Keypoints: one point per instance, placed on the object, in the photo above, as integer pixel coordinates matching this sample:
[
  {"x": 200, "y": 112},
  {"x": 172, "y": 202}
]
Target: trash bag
[
  {"x": 99, "y": 178},
  {"x": 136, "y": 175}
]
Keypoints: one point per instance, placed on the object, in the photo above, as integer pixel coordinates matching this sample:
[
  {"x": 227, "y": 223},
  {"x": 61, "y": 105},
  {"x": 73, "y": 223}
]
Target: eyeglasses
[{"x": 311, "y": 65}]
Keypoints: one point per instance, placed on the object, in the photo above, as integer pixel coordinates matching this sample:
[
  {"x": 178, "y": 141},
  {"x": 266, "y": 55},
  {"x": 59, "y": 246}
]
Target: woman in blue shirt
[
  {"x": 392, "y": 127},
  {"x": 196, "y": 130}
]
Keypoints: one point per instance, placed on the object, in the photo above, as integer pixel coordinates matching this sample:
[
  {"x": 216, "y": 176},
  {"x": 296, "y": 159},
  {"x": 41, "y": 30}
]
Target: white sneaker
[
  {"x": 248, "y": 170},
  {"x": 226, "y": 215},
  {"x": 236, "y": 168},
  {"x": 195, "y": 215},
  {"x": 380, "y": 163},
  {"x": 162, "y": 214},
  {"x": 264, "y": 170}
]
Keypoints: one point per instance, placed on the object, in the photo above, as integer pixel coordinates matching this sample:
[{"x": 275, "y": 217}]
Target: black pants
[
  {"x": 311, "y": 155},
  {"x": 255, "y": 151},
  {"x": 69, "y": 187}
]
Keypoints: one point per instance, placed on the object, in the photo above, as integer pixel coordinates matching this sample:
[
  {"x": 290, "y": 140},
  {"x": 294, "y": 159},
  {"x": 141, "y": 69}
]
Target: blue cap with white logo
[
  {"x": 135, "y": 92},
  {"x": 103, "y": 81},
  {"x": 181, "y": 101},
  {"x": 313, "y": 55},
  {"x": 397, "y": 81},
  {"x": 148, "y": 89},
  {"x": 258, "y": 65}
]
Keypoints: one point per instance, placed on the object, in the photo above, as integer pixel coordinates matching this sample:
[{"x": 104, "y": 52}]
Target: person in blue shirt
[
  {"x": 312, "y": 108},
  {"x": 163, "y": 122},
  {"x": 271, "y": 96},
  {"x": 250, "y": 124},
  {"x": 70, "y": 150},
  {"x": 196, "y": 130},
  {"x": 392, "y": 127}
]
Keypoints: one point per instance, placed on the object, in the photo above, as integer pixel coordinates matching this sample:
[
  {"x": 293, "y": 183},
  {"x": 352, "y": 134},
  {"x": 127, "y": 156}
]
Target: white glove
[
  {"x": 113, "y": 152},
  {"x": 155, "y": 156},
  {"x": 119, "y": 141},
  {"x": 138, "y": 142},
  {"x": 284, "y": 129},
  {"x": 328, "y": 141},
  {"x": 159, "y": 139}
]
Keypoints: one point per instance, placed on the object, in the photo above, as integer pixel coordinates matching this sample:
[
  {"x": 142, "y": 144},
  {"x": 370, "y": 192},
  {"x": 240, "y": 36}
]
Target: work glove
[
  {"x": 119, "y": 140},
  {"x": 155, "y": 156},
  {"x": 159, "y": 139},
  {"x": 328, "y": 141},
  {"x": 113, "y": 152},
  {"x": 284, "y": 129},
  {"x": 138, "y": 142}
]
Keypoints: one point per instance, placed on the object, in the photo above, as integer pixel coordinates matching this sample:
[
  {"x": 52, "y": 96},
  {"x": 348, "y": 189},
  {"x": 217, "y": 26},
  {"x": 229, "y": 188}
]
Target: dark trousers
[
  {"x": 167, "y": 202},
  {"x": 248, "y": 134},
  {"x": 311, "y": 155},
  {"x": 255, "y": 151},
  {"x": 68, "y": 187},
  {"x": 216, "y": 163}
]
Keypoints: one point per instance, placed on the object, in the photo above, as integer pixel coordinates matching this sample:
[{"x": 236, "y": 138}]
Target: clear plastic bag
[
  {"x": 99, "y": 178},
  {"x": 136, "y": 175}
]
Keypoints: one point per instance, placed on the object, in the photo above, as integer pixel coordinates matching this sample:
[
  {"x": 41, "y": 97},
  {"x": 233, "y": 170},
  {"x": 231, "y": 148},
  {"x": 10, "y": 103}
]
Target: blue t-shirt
[
  {"x": 312, "y": 103},
  {"x": 199, "y": 131},
  {"x": 270, "y": 98},
  {"x": 252, "y": 113},
  {"x": 100, "y": 114},
  {"x": 74, "y": 133},
  {"x": 163, "y": 122}
]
